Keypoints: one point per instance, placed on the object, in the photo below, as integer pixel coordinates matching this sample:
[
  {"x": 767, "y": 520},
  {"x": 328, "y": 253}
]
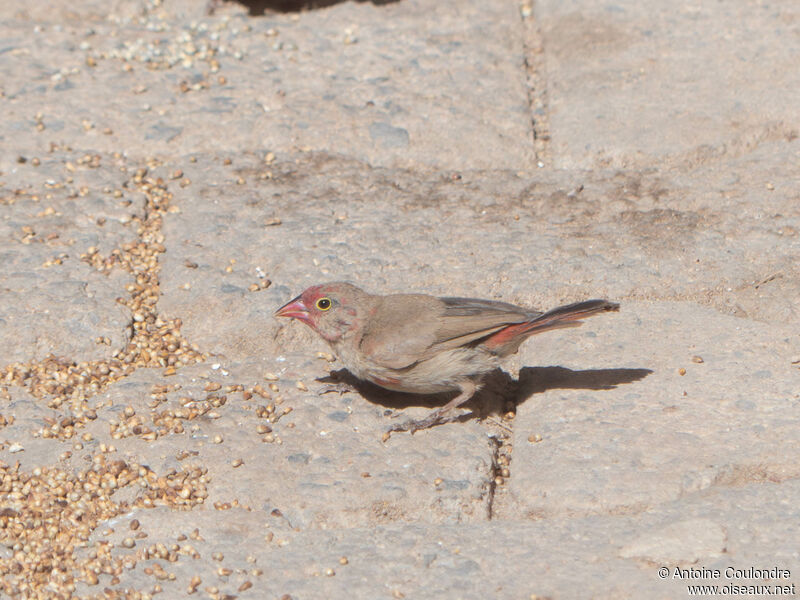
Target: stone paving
[{"x": 171, "y": 174}]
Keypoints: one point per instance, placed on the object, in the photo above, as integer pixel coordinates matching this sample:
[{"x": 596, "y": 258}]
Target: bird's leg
[{"x": 440, "y": 415}]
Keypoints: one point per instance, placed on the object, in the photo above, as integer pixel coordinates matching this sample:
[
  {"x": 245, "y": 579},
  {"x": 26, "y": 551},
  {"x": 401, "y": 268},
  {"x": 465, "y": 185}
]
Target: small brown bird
[{"x": 423, "y": 344}]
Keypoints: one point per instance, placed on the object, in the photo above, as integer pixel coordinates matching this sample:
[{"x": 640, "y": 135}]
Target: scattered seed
[{"x": 194, "y": 584}]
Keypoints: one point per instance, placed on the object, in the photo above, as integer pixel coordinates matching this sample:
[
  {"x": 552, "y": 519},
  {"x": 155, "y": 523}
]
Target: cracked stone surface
[{"x": 169, "y": 177}]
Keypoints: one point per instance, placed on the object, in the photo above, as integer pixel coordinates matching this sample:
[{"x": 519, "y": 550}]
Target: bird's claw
[{"x": 338, "y": 388}]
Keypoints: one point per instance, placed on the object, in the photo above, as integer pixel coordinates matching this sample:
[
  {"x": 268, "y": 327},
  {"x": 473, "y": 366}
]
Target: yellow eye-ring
[{"x": 324, "y": 303}]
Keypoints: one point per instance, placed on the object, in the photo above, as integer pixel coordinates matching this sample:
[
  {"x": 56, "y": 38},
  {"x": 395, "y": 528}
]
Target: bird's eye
[{"x": 324, "y": 303}]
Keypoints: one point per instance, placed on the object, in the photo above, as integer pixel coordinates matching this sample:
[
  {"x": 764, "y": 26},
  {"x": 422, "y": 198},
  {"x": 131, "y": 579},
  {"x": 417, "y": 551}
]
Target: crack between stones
[
  {"x": 494, "y": 444},
  {"x": 499, "y": 475},
  {"x": 534, "y": 61}
]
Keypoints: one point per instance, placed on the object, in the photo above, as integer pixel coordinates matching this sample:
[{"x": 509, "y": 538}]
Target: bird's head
[{"x": 333, "y": 310}]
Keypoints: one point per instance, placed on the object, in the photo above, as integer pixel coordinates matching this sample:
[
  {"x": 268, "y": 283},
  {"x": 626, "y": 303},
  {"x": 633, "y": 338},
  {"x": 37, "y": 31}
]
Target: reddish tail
[{"x": 507, "y": 341}]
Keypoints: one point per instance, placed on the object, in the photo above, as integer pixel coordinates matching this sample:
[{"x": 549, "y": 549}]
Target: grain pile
[{"x": 48, "y": 514}]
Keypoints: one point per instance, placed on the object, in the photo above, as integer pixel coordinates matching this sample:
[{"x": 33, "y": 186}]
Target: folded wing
[{"x": 406, "y": 329}]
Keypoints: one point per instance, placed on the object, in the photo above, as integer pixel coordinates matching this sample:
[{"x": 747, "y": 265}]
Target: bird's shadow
[{"x": 500, "y": 391}]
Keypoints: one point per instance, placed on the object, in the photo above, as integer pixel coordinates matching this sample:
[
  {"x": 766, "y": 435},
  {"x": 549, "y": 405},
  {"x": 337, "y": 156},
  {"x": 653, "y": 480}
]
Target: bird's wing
[
  {"x": 466, "y": 320},
  {"x": 407, "y": 328}
]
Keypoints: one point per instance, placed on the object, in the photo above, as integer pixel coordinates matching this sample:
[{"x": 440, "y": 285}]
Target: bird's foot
[
  {"x": 436, "y": 417},
  {"x": 499, "y": 423},
  {"x": 338, "y": 388},
  {"x": 333, "y": 382}
]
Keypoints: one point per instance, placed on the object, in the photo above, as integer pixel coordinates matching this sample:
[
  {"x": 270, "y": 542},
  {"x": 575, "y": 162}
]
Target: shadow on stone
[
  {"x": 499, "y": 388},
  {"x": 535, "y": 380},
  {"x": 260, "y": 7}
]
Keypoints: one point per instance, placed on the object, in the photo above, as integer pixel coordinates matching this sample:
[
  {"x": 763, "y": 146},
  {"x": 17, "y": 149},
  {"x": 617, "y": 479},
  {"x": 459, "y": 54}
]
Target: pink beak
[{"x": 294, "y": 309}]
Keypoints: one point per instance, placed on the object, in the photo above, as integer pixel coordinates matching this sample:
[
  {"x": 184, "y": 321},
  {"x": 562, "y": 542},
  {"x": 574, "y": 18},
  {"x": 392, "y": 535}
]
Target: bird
[{"x": 425, "y": 344}]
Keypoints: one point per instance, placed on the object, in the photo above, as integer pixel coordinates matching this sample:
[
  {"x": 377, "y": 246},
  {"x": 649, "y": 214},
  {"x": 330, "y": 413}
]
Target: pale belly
[{"x": 440, "y": 373}]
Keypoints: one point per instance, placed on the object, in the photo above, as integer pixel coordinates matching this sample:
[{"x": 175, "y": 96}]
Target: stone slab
[
  {"x": 634, "y": 85},
  {"x": 571, "y": 558},
  {"x": 53, "y": 212},
  {"x": 399, "y": 84},
  {"x": 616, "y": 438}
]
